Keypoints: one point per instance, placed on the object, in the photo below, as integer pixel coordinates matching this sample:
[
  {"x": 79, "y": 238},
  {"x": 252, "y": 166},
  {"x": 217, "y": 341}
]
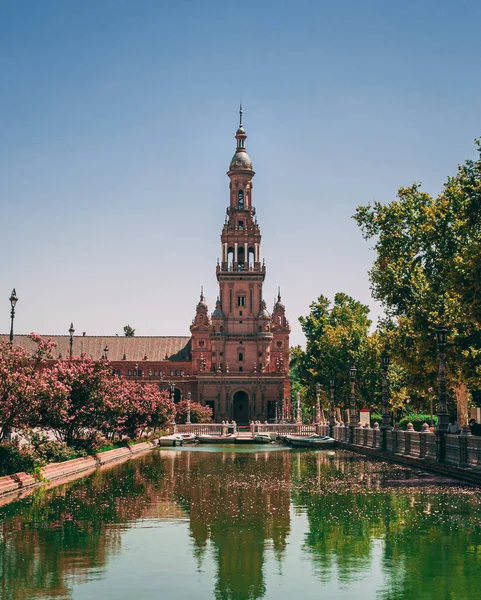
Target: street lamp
[
  {"x": 443, "y": 415},
  {"x": 299, "y": 409},
  {"x": 71, "y": 331},
  {"x": 172, "y": 390},
  {"x": 385, "y": 399},
  {"x": 150, "y": 374},
  {"x": 318, "y": 402},
  {"x": 136, "y": 371},
  {"x": 352, "y": 407},
  {"x": 13, "y": 300},
  {"x": 332, "y": 418},
  {"x": 189, "y": 396}
]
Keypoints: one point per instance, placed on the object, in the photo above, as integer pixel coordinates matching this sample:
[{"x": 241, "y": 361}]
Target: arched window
[
  {"x": 230, "y": 257},
  {"x": 251, "y": 258},
  {"x": 171, "y": 373},
  {"x": 240, "y": 257},
  {"x": 241, "y": 356},
  {"x": 139, "y": 372},
  {"x": 240, "y": 199},
  {"x": 130, "y": 371}
]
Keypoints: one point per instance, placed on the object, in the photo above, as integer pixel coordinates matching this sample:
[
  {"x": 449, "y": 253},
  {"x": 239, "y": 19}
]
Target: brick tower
[{"x": 246, "y": 353}]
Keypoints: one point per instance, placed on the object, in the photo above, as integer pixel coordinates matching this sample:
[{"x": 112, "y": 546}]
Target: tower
[{"x": 245, "y": 355}]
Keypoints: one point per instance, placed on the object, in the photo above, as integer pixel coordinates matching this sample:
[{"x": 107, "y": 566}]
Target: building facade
[{"x": 237, "y": 357}]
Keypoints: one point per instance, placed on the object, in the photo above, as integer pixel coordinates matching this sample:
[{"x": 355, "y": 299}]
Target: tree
[
  {"x": 198, "y": 412},
  {"x": 129, "y": 331},
  {"x": 22, "y": 386},
  {"x": 337, "y": 337},
  {"x": 427, "y": 272}
]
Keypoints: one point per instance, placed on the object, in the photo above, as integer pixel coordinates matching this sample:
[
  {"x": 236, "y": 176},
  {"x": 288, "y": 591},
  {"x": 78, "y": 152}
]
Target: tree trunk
[{"x": 462, "y": 392}]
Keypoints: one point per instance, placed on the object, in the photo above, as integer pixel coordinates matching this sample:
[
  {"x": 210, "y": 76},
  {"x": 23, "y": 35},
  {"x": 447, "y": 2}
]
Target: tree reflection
[{"x": 426, "y": 541}]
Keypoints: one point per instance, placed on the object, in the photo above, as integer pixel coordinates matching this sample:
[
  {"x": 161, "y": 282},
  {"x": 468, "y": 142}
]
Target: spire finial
[
  {"x": 240, "y": 114},
  {"x": 279, "y": 294},
  {"x": 202, "y": 292}
]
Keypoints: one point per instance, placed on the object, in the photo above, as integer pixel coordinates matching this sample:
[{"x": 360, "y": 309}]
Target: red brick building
[{"x": 237, "y": 358}]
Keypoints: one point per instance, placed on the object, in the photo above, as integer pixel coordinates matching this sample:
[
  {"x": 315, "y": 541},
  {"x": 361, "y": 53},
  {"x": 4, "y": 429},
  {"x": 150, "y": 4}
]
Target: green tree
[
  {"x": 129, "y": 331},
  {"x": 337, "y": 337},
  {"x": 427, "y": 271}
]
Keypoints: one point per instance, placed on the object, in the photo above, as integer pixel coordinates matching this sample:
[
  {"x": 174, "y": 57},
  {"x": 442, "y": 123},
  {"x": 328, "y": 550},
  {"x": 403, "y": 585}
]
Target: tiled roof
[{"x": 155, "y": 348}]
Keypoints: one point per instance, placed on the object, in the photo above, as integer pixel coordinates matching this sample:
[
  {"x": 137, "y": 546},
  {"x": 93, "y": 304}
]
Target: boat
[
  {"x": 312, "y": 441},
  {"x": 188, "y": 438},
  {"x": 216, "y": 439},
  {"x": 171, "y": 440},
  {"x": 261, "y": 438}
]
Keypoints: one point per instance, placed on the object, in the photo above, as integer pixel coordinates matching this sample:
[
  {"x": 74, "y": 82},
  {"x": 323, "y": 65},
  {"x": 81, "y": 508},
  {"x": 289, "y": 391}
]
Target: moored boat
[
  {"x": 312, "y": 441},
  {"x": 216, "y": 439},
  {"x": 261, "y": 438},
  {"x": 171, "y": 440},
  {"x": 188, "y": 438}
]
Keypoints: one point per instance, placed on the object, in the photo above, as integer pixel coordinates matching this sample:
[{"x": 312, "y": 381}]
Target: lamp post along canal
[
  {"x": 352, "y": 404},
  {"x": 136, "y": 371},
  {"x": 385, "y": 425},
  {"x": 71, "y": 332},
  {"x": 13, "y": 301},
  {"x": 299, "y": 409},
  {"x": 332, "y": 418},
  {"x": 318, "y": 402},
  {"x": 443, "y": 415},
  {"x": 189, "y": 397}
]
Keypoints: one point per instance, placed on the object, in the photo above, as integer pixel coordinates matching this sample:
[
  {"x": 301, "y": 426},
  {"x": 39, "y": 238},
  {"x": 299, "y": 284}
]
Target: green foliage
[
  {"x": 417, "y": 421},
  {"x": 337, "y": 337},
  {"x": 427, "y": 271},
  {"x": 47, "y": 451},
  {"x": 14, "y": 459},
  {"x": 129, "y": 331}
]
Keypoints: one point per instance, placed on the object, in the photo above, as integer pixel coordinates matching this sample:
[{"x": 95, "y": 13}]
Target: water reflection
[{"x": 244, "y": 513}]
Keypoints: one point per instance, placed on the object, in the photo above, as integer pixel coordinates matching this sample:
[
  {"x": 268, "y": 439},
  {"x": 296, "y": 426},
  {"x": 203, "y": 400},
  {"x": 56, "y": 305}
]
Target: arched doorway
[{"x": 241, "y": 408}]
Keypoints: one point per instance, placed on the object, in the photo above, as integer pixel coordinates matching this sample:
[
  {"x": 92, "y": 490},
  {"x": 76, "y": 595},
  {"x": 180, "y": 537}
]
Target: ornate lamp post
[
  {"x": 352, "y": 404},
  {"x": 136, "y": 371},
  {"x": 71, "y": 331},
  {"x": 13, "y": 301},
  {"x": 189, "y": 396},
  {"x": 299, "y": 409},
  {"x": 150, "y": 374},
  {"x": 385, "y": 425},
  {"x": 443, "y": 415},
  {"x": 318, "y": 402},
  {"x": 172, "y": 390},
  {"x": 332, "y": 418}
]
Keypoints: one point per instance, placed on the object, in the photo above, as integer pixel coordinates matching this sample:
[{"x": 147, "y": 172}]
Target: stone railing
[
  {"x": 459, "y": 450},
  {"x": 203, "y": 428}
]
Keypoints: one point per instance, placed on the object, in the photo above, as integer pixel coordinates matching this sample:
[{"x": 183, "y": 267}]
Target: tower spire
[
  {"x": 202, "y": 292},
  {"x": 240, "y": 114}
]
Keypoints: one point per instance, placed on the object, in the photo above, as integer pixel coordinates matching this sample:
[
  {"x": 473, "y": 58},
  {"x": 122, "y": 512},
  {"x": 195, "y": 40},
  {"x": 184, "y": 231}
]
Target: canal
[{"x": 247, "y": 523}]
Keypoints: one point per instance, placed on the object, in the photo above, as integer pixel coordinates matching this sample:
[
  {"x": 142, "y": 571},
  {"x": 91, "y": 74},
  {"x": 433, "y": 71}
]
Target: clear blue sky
[{"x": 117, "y": 121}]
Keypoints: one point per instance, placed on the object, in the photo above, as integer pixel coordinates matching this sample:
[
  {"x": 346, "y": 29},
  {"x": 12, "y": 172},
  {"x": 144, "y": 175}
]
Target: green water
[{"x": 245, "y": 524}]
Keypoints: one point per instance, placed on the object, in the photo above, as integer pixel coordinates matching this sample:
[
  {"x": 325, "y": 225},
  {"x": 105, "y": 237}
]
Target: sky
[{"x": 117, "y": 123}]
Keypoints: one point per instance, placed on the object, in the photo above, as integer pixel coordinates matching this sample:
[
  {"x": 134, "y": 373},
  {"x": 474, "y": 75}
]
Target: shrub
[
  {"x": 14, "y": 459},
  {"x": 47, "y": 451},
  {"x": 417, "y": 421},
  {"x": 91, "y": 444}
]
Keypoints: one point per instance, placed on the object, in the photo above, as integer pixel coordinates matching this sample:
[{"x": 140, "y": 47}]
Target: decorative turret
[{"x": 202, "y": 318}]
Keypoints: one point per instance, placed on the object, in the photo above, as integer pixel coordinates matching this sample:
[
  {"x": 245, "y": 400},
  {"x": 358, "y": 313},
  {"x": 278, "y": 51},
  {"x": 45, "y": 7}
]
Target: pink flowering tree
[
  {"x": 21, "y": 384},
  {"x": 78, "y": 407},
  {"x": 132, "y": 407},
  {"x": 198, "y": 412}
]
